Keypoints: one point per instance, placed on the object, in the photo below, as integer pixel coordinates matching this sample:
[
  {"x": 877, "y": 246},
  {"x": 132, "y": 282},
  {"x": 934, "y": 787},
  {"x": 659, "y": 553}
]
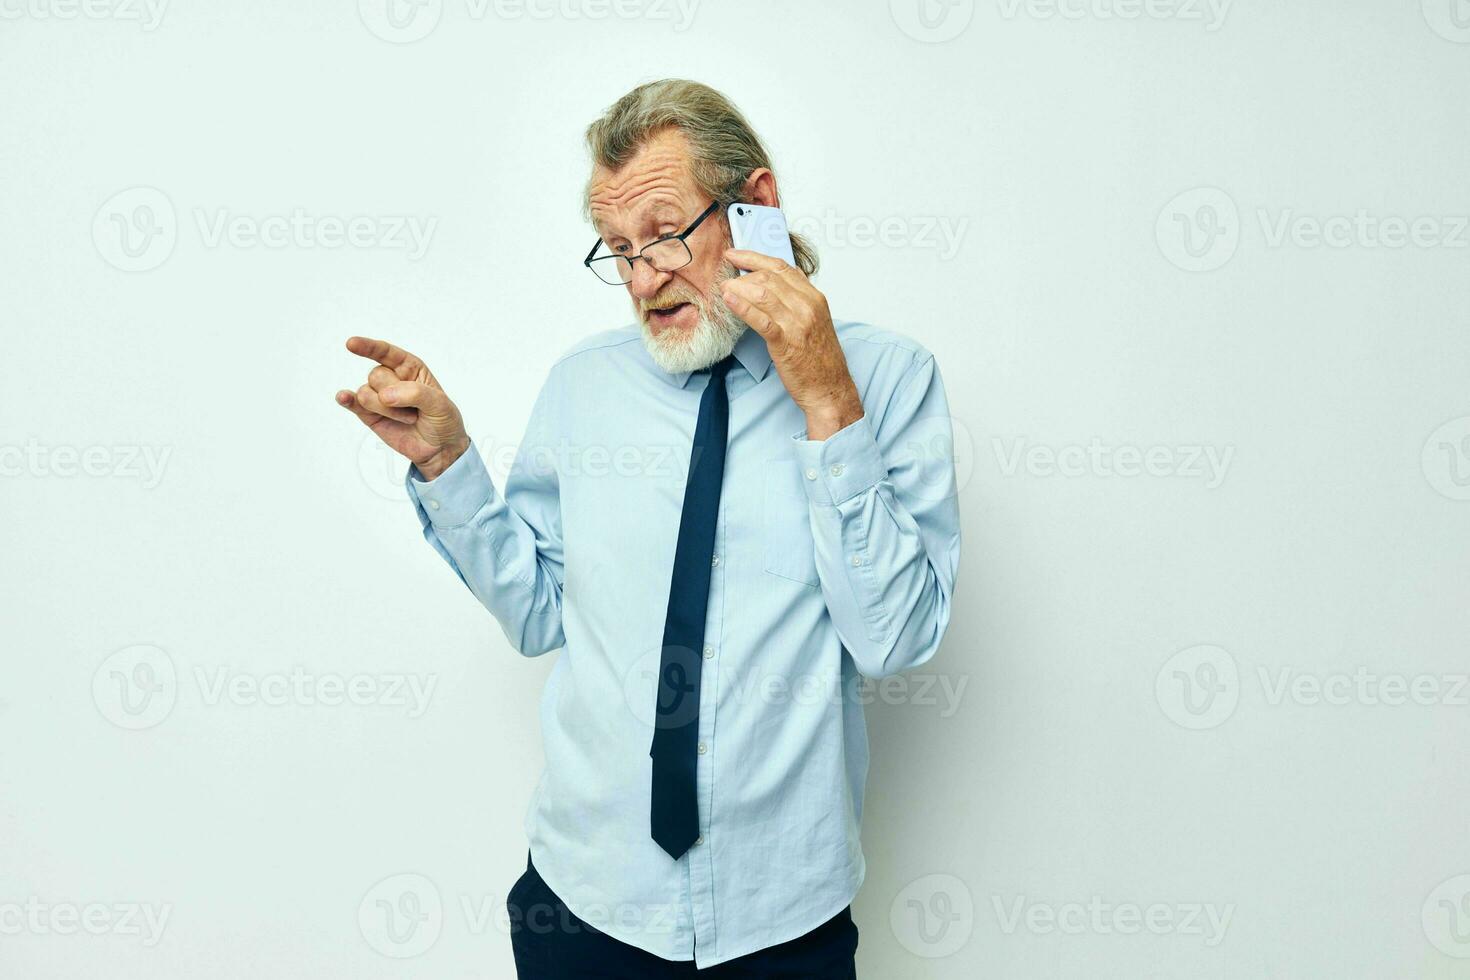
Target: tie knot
[{"x": 722, "y": 367}]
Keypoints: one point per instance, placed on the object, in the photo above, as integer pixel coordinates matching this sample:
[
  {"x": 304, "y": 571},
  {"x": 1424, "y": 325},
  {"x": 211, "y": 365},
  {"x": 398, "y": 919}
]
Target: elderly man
[{"x": 728, "y": 514}]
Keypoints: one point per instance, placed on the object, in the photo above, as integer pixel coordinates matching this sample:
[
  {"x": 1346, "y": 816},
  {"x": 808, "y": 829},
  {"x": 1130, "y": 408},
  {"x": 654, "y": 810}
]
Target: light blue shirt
[{"x": 834, "y": 559}]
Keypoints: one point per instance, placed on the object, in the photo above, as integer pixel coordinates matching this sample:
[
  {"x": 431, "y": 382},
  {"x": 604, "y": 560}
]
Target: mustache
[
  {"x": 677, "y": 294},
  {"x": 665, "y": 300}
]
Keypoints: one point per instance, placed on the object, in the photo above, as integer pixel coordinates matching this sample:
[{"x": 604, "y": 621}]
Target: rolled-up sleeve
[{"x": 885, "y": 520}]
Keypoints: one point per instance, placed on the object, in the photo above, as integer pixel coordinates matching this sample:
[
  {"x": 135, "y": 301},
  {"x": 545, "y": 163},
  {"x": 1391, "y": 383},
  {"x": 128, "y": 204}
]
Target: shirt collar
[{"x": 750, "y": 351}]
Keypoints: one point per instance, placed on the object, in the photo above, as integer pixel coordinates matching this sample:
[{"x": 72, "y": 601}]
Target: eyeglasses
[{"x": 665, "y": 254}]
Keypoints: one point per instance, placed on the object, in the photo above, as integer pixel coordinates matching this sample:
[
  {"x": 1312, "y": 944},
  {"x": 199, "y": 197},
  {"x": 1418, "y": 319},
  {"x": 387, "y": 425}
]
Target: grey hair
[{"x": 724, "y": 149}]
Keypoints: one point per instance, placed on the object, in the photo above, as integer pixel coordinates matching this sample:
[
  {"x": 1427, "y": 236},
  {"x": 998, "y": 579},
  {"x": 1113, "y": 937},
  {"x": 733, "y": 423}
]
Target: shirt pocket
[{"x": 790, "y": 550}]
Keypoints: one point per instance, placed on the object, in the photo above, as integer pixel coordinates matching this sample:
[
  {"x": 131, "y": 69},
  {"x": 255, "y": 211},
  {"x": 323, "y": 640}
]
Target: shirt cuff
[
  {"x": 457, "y": 494},
  {"x": 841, "y": 466}
]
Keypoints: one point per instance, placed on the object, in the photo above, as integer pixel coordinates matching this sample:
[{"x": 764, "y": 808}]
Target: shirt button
[
  {"x": 699, "y": 839},
  {"x": 811, "y": 474},
  {"x": 433, "y": 505},
  {"x": 703, "y": 748},
  {"x": 856, "y": 561},
  {"x": 709, "y": 651},
  {"x": 837, "y": 470},
  {"x": 715, "y": 561}
]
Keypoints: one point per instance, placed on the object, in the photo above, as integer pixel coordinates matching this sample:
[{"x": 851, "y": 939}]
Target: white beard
[{"x": 711, "y": 340}]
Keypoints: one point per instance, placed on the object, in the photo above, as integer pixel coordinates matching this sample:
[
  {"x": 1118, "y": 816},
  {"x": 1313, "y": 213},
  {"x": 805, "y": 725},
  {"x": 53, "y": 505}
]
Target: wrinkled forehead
[{"x": 655, "y": 186}]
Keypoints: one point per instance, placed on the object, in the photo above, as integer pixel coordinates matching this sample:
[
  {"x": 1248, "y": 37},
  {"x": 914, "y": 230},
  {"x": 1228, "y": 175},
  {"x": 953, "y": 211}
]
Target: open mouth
[{"x": 668, "y": 313}]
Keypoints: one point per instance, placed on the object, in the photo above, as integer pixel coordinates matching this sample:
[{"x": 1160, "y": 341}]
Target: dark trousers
[{"x": 552, "y": 944}]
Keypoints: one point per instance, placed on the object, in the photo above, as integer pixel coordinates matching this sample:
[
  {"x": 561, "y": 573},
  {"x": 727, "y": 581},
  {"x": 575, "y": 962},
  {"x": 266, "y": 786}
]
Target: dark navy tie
[{"x": 675, "y": 812}]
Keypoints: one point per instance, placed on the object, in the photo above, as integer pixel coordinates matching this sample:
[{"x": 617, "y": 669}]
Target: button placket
[{"x": 699, "y": 869}]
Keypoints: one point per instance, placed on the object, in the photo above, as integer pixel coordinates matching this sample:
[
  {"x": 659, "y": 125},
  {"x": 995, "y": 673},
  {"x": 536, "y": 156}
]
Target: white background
[{"x": 1130, "y": 267}]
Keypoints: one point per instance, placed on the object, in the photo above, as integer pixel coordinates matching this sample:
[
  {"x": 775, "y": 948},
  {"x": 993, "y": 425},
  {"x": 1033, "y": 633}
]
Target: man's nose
[{"x": 647, "y": 280}]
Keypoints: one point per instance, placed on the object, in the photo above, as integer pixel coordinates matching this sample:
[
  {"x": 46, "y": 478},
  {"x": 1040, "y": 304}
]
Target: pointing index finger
[{"x": 381, "y": 351}]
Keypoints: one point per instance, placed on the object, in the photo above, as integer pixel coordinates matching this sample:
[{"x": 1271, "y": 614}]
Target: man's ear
[{"x": 760, "y": 188}]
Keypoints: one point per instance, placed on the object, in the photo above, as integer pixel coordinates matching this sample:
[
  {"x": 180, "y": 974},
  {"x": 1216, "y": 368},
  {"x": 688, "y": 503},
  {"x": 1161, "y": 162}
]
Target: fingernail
[{"x": 388, "y": 395}]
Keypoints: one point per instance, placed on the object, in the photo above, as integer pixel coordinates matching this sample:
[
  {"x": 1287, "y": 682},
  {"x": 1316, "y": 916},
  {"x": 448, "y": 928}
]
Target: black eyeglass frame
[{"x": 693, "y": 225}]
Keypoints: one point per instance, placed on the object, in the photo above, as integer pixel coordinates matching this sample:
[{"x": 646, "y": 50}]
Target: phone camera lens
[{"x": 739, "y": 210}]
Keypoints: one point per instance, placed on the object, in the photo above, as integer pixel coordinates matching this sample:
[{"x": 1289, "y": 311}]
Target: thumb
[{"x": 413, "y": 394}]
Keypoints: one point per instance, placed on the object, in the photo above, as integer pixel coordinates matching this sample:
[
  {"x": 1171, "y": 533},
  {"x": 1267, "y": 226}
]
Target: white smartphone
[{"x": 760, "y": 229}]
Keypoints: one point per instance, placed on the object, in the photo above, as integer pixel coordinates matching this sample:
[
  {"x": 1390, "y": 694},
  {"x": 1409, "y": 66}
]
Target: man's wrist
[
  {"x": 431, "y": 468},
  {"x": 830, "y": 419}
]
